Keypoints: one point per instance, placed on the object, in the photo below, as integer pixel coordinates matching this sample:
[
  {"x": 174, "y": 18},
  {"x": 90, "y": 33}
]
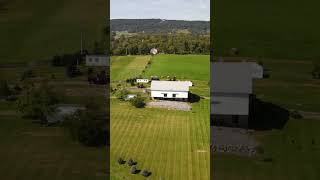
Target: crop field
[
  {"x": 124, "y": 67},
  {"x": 290, "y": 153},
  {"x": 171, "y": 144},
  {"x": 274, "y": 29},
  {"x": 31, "y": 151},
  {"x": 36, "y": 30}
]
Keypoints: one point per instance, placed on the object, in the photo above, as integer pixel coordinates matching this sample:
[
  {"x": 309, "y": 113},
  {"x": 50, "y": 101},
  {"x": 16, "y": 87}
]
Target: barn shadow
[
  {"x": 265, "y": 115},
  {"x": 193, "y": 98}
]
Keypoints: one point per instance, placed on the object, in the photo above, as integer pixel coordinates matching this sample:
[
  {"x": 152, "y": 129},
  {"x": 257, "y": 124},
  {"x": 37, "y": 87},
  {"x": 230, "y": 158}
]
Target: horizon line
[{"x": 157, "y": 18}]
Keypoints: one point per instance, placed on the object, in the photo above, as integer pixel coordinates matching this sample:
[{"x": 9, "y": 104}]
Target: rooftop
[
  {"x": 233, "y": 77},
  {"x": 170, "y": 85}
]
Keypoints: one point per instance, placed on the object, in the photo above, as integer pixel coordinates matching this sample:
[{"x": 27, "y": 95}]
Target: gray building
[
  {"x": 97, "y": 60},
  {"x": 231, "y": 87}
]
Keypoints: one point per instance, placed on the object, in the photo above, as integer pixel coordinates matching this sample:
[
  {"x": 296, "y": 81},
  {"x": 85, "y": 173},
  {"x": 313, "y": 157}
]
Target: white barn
[
  {"x": 170, "y": 90},
  {"x": 231, "y": 87},
  {"x": 97, "y": 60}
]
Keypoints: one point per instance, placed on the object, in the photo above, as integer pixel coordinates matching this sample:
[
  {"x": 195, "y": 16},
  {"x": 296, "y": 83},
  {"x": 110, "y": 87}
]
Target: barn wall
[
  {"x": 228, "y": 121},
  {"x": 169, "y": 94},
  {"x": 231, "y": 104}
]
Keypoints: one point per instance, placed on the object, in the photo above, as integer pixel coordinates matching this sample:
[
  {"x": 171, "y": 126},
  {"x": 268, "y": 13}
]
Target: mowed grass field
[
  {"x": 36, "y": 30},
  {"x": 294, "y": 150},
  {"x": 171, "y": 144},
  {"x": 32, "y": 151},
  {"x": 124, "y": 67},
  {"x": 275, "y": 29}
]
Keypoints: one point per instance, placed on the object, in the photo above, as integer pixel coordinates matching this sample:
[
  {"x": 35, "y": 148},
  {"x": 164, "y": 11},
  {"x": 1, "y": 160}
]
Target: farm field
[
  {"x": 275, "y": 29},
  {"x": 32, "y": 151},
  {"x": 290, "y": 153},
  {"x": 171, "y": 144},
  {"x": 36, "y": 30},
  {"x": 124, "y": 67}
]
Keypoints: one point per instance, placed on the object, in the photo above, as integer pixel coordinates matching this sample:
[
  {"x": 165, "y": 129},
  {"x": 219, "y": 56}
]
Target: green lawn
[
  {"x": 36, "y": 30},
  {"x": 275, "y": 28},
  {"x": 290, "y": 85},
  {"x": 171, "y": 144},
  {"x": 185, "y": 67}
]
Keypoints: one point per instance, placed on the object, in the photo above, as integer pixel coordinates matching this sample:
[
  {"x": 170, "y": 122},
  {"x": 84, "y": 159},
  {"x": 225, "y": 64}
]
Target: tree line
[{"x": 172, "y": 43}]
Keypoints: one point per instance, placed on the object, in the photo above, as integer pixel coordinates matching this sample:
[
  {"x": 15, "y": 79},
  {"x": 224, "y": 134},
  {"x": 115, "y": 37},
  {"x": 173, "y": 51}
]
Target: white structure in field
[
  {"x": 130, "y": 96},
  {"x": 231, "y": 87},
  {"x": 154, "y": 51},
  {"x": 170, "y": 89},
  {"x": 97, "y": 60},
  {"x": 142, "y": 80}
]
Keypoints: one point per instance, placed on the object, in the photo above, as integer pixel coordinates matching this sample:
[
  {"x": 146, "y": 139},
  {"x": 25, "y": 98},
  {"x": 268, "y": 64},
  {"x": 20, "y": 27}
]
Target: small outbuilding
[
  {"x": 142, "y": 80},
  {"x": 97, "y": 60}
]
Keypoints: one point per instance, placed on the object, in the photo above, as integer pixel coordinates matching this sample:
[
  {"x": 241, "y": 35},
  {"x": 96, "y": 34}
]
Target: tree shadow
[
  {"x": 265, "y": 115},
  {"x": 193, "y": 98}
]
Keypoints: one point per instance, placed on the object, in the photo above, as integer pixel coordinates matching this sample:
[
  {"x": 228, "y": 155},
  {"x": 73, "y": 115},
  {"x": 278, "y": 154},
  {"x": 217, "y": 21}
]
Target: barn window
[
  {"x": 97, "y": 59},
  {"x": 165, "y": 95},
  {"x": 174, "y": 95}
]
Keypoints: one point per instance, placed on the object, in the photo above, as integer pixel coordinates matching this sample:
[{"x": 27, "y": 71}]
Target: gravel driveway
[{"x": 184, "y": 106}]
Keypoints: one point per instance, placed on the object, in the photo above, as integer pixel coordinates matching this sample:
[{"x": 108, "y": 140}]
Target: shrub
[
  {"x": 37, "y": 102},
  {"x": 138, "y": 102},
  {"x": 122, "y": 94},
  {"x": 88, "y": 127}
]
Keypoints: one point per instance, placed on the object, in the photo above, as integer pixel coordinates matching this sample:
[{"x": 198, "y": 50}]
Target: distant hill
[{"x": 159, "y": 26}]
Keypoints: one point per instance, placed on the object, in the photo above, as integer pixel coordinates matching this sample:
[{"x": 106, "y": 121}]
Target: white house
[
  {"x": 231, "y": 87},
  {"x": 142, "y": 80},
  {"x": 170, "y": 90},
  {"x": 97, "y": 60}
]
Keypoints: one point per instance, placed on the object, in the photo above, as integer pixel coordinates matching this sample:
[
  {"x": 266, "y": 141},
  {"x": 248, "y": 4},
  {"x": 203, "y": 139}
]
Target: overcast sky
[{"x": 163, "y": 9}]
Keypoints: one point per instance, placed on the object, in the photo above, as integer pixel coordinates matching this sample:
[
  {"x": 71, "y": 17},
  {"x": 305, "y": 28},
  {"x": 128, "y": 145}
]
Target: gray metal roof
[
  {"x": 170, "y": 85},
  {"x": 231, "y": 77}
]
